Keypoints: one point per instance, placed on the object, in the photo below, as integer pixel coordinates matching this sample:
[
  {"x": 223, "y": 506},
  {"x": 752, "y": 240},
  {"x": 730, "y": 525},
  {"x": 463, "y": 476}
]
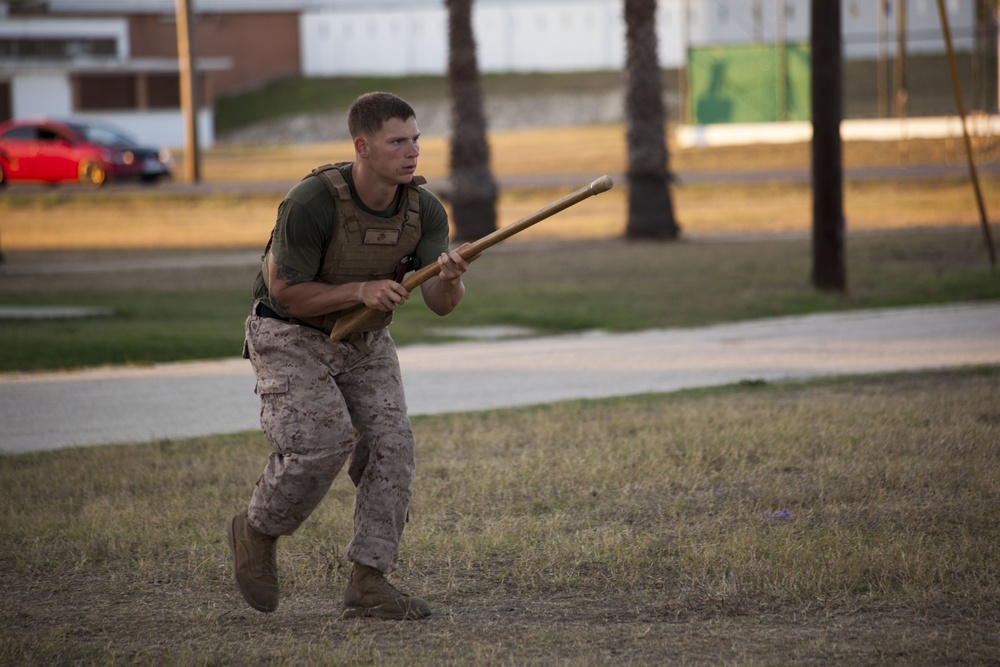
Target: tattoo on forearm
[{"x": 289, "y": 277}]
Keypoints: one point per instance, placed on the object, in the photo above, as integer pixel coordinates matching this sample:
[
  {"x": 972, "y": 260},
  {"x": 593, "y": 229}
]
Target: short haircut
[{"x": 370, "y": 112}]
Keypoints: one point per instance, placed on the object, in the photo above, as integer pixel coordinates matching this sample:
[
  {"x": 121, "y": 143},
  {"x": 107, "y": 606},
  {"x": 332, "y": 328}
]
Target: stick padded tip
[{"x": 602, "y": 184}]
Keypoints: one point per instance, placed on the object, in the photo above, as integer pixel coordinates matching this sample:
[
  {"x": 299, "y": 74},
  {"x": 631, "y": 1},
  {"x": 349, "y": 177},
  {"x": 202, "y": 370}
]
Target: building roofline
[
  {"x": 169, "y": 6},
  {"x": 9, "y": 66}
]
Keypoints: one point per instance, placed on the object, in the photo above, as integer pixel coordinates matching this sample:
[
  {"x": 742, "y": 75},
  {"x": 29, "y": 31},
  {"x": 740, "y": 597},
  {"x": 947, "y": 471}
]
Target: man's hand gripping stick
[{"x": 350, "y": 321}]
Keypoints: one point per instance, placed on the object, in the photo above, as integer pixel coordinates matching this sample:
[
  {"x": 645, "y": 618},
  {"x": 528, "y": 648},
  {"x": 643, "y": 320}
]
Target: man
[{"x": 338, "y": 242}]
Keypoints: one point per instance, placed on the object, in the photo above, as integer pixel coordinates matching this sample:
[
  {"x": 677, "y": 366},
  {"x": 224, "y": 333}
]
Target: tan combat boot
[
  {"x": 369, "y": 595},
  {"x": 255, "y": 564}
]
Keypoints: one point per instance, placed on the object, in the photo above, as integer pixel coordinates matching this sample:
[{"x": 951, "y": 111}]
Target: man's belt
[{"x": 263, "y": 310}]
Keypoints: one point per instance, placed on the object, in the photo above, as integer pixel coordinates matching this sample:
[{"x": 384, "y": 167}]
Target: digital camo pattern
[{"x": 323, "y": 403}]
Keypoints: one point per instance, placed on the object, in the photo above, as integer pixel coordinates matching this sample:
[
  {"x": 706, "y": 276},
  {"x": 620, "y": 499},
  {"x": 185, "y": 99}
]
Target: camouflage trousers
[{"x": 322, "y": 404}]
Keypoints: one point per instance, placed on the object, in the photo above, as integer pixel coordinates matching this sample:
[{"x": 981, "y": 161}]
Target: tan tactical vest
[{"x": 363, "y": 246}]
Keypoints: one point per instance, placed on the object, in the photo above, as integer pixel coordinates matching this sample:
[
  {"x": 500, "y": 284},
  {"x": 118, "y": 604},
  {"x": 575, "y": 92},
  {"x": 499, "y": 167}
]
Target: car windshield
[{"x": 104, "y": 136}]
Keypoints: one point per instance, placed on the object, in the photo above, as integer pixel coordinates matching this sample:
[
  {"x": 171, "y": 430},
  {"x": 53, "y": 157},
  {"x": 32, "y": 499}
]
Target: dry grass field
[
  {"x": 852, "y": 521},
  {"x": 60, "y": 218}
]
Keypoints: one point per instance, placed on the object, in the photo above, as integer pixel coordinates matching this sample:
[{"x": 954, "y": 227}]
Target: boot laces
[{"x": 267, "y": 556}]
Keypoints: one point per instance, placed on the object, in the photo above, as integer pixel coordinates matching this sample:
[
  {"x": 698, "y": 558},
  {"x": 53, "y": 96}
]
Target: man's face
[{"x": 392, "y": 152}]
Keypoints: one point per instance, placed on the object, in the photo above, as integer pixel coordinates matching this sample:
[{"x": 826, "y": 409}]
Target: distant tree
[
  {"x": 650, "y": 207},
  {"x": 828, "y": 270},
  {"x": 473, "y": 192}
]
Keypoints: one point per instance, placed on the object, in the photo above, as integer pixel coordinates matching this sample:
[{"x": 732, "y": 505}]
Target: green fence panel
[{"x": 740, "y": 84}]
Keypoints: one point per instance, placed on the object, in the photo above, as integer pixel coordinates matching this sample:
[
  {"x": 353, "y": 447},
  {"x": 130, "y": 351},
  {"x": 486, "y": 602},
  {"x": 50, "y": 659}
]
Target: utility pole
[{"x": 189, "y": 89}]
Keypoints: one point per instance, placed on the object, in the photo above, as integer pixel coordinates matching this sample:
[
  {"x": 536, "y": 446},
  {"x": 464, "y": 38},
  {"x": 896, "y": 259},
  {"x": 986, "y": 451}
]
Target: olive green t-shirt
[{"x": 306, "y": 217}]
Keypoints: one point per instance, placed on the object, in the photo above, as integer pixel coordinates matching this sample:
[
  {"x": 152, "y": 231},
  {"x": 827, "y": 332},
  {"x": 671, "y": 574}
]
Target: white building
[{"x": 347, "y": 37}]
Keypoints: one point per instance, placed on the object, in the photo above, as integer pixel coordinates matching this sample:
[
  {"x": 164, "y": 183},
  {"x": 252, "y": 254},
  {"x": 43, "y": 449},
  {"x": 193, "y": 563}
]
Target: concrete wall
[{"x": 377, "y": 40}]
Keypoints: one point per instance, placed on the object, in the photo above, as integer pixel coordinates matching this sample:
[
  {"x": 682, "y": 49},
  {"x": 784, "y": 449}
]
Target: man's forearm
[
  {"x": 442, "y": 296},
  {"x": 296, "y": 294},
  {"x": 312, "y": 299}
]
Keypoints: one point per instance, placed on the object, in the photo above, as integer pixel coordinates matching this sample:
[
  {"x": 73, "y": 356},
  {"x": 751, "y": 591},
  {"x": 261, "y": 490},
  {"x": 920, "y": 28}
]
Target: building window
[
  {"x": 6, "y": 108},
  {"x": 56, "y": 48},
  {"x": 164, "y": 91},
  {"x": 102, "y": 92},
  {"x": 106, "y": 91}
]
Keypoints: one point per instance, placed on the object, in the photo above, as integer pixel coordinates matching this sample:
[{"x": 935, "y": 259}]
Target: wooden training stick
[{"x": 353, "y": 319}]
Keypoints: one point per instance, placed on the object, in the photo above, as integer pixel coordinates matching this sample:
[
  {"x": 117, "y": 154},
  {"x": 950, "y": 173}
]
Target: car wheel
[
  {"x": 92, "y": 173},
  {"x": 3, "y": 177}
]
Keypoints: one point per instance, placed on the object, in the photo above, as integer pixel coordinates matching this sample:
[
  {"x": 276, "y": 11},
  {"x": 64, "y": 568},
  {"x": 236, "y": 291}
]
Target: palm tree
[
  {"x": 473, "y": 189},
  {"x": 650, "y": 207},
  {"x": 828, "y": 272}
]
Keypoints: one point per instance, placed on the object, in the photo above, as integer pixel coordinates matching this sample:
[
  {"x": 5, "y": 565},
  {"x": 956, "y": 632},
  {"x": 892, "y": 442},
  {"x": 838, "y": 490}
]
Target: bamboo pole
[{"x": 984, "y": 221}]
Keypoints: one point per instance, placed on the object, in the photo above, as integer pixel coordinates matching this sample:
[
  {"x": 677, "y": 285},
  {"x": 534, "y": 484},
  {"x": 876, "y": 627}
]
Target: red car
[{"x": 87, "y": 153}]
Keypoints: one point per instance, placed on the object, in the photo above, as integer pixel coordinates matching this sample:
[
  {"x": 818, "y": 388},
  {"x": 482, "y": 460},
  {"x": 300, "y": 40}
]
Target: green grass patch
[
  {"x": 144, "y": 327},
  {"x": 551, "y": 287},
  {"x": 619, "y": 286}
]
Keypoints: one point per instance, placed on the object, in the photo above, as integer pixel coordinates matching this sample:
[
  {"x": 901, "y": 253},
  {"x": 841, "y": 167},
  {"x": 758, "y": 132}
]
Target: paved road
[
  {"x": 117, "y": 405},
  {"x": 279, "y": 188}
]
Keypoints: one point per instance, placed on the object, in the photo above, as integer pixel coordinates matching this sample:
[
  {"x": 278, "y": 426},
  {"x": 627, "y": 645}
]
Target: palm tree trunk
[
  {"x": 473, "y": 192},
  {"x": 828, "y": 271},
  {"x": 650, "y": 206}
]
